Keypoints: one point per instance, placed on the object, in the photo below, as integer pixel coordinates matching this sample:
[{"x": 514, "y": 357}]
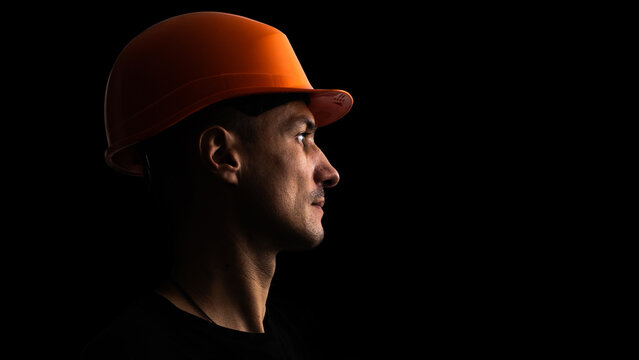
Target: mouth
[{"x": 318, "y": 202}]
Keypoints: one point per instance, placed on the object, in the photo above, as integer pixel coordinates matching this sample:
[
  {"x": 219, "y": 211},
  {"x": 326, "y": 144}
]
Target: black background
[{"x": 434, "y": 237}]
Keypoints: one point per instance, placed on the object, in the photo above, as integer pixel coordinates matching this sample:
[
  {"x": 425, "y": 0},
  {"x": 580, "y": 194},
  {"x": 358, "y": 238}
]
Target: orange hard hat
[{"x": 190, "y": 61}]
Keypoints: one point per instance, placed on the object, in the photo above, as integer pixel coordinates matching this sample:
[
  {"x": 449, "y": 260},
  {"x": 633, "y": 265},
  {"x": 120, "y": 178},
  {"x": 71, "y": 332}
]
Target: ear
[{"x": 219, "y": 153}]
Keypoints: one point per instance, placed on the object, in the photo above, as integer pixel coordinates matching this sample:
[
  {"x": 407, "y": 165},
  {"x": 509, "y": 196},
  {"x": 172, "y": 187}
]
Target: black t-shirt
[{"x": 153, "y": 328}]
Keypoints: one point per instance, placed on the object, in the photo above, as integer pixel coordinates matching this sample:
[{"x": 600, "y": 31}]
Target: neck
[{"x": 228, "y": 277}]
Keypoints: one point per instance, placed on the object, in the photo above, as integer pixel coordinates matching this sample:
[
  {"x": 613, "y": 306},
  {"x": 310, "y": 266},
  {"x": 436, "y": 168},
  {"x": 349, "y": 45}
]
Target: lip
[{"x": 318, "y": 203}]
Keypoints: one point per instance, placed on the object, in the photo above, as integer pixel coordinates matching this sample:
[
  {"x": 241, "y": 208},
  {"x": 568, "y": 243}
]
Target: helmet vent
[{"x": 339, "y": 99}]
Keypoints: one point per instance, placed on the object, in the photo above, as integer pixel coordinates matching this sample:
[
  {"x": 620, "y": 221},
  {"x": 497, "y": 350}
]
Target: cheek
[
  {"x": 291, "y": 178},
  {"x": 283, "y": 173},
  {"x": 274, "y": 175}
]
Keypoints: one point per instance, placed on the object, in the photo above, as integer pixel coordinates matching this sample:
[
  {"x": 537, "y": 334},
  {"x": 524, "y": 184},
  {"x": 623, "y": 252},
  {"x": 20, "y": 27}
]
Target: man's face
[{"x": 283, "y": 176}]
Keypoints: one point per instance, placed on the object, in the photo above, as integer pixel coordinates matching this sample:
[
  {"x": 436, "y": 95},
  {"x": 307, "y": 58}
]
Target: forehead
[{"x": 287, "y": 115}]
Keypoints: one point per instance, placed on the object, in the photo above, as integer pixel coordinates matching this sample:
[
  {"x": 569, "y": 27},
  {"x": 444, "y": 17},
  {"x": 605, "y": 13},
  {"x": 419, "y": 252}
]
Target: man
[{"x": 215, "y": 111}]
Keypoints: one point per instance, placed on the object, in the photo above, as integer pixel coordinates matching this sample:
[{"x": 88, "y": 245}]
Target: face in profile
[{"x": 283, "y": 177}]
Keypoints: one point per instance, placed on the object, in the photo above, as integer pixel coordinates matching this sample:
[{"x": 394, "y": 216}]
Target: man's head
[
  {"x": 248, "y": 160},
  {"x": 251, "y": 162}
]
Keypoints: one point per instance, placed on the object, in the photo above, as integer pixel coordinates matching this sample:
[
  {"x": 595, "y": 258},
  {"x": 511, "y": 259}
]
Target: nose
[{"x": 325, "y": 174}]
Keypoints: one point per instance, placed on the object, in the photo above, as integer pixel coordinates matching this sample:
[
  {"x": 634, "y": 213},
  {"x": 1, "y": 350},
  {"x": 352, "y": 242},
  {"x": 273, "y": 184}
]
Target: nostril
[{"x": 331, "y": 180}]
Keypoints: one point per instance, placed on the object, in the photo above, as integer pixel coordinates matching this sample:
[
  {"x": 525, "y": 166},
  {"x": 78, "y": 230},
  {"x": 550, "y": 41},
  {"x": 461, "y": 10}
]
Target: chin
[
  {"x": 316, "y": 241},
  {"x": 301, "y": 241}
]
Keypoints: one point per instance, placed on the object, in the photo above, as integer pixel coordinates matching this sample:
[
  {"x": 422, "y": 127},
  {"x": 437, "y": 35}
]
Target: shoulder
[{"x": 138, "y": 329}]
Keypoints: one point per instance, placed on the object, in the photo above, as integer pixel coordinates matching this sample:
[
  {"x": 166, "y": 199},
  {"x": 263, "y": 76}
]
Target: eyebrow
[{"x": 310, "y": 124}]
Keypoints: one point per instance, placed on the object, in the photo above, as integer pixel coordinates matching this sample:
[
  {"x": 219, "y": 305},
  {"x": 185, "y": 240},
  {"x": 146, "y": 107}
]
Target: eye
[{"x": 301, "y": 137}]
